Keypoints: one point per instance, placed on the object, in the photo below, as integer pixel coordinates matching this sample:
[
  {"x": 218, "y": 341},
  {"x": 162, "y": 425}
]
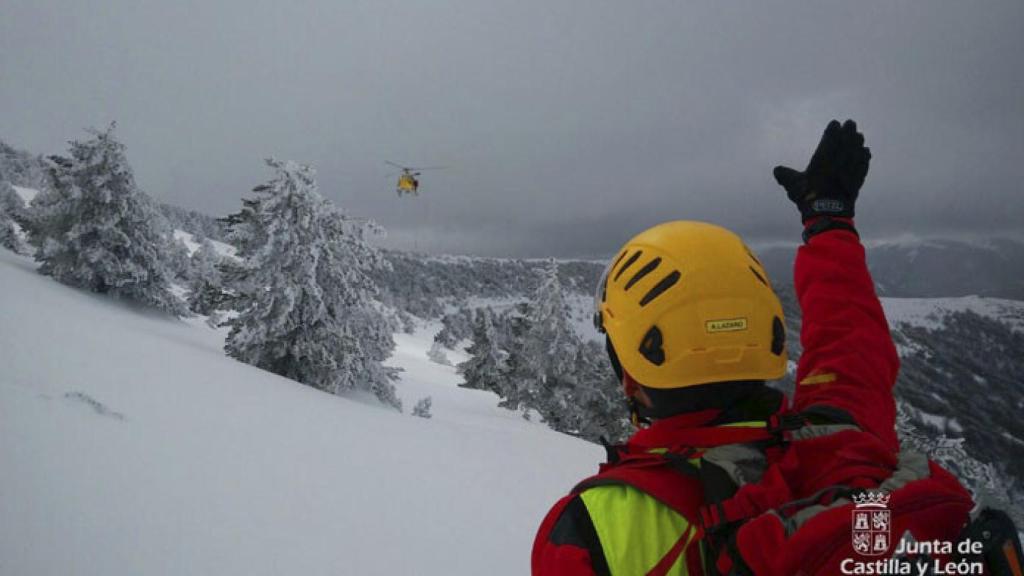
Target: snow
[
  {"x": 1012, "y": 438},
  {"x": 190, "y": 243},
  {"x": 930, "y": 313},
  {"x": 581, "y": 308},
  {"x": 129, "y": 444},
  {"x": 933, "y": 420},
  {"x": 940, "y": 423},
  {"x": 910, "y": 241},
  {"x": 904, "y": 241},
  {"x": 27, "y": 194}
]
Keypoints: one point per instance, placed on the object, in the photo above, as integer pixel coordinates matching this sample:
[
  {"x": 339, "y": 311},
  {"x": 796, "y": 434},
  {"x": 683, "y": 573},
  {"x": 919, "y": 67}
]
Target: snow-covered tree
[
  {"x": 455, "y": 326},
  {"x": 485, "y": 369},
  {"x": 551, "y": 342},
  {"x": 597, "y": 407},
  {"x": 306, "y": 304},
  {"x": 519, "y": 378},
  {"x": 177, "y": 255},
  {"x": 21, "y": 168},
  {"x": 544, "y": 365},
  {"x": 96, "y": 230},
  {"x": 437, "y": 355},
  {"x": 245, "y": 229},
  {"x": 10, "y": 208},
  {"x": 422, "y": 408},
  {"x": 206, "y": 285},
  {"x": 983, "y": 480}
]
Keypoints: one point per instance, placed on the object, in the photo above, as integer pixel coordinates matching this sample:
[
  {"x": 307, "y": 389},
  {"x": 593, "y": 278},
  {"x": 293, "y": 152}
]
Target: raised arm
[{"x": 849, "y": 361}]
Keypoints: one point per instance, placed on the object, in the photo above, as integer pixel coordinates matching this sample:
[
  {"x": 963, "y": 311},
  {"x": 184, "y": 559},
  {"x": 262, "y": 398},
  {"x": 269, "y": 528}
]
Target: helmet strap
[
  {"x": 630, "y": 387},
  {"x": 639, "y": 422}
]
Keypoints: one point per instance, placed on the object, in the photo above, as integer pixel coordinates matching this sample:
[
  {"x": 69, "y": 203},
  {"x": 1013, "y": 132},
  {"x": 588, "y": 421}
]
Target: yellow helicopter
[{"x": 407, "y": 181}]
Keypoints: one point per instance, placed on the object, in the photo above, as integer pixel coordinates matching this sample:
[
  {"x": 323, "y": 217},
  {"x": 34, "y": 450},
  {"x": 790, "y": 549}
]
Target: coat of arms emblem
[{"x": 872, "y": 523}]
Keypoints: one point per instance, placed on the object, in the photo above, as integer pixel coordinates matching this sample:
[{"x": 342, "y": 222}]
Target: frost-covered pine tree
[
  {"x": 551, "y": 342},
  {"x": 96, "y": 230},
  {"x": 10, "y": 206},
  {"x": 550, "y": 346},
  {"x": 519, "y": 379},
  {"x": 244, "y": 228},
  {"x": 455, "y": 326},
  {"x": 485, "y": 369},
  {"x": 983, "y": 480},
  {"x": 206, "y": 285},
  {"x": 422, "y": 408},
  {"x": 436, "y": 354},
  {"x": 177, "y": 255},
  {"x": 597, "y": 406},
  {"x": 306, "y": 304}
]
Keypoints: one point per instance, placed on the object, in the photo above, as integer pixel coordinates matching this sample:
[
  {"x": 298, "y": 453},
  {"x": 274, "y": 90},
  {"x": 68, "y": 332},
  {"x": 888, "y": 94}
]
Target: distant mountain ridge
[
  {"x": 906, "y": 267},
  {"x": 930, "y": 268}
]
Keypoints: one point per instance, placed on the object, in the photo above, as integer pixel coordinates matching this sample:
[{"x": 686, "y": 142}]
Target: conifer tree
[
  {"x": 598, "y": 407},
  {"x": 306, "y": 303},
  {"x": 437, "y": 355},
  {"x": 205, "y": 286},
  {"x": 96, "y": 230},
  {"x": 10, "y": 205},
  {"x": 546, "y": 371},
  {"x": 485, "y": 368},
  {"x": 551, "y": 342},
  {"x": 422, "y": 408}
]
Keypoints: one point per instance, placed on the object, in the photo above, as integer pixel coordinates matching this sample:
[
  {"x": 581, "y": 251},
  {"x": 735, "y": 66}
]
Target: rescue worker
[{"x": 694, "y": 329}]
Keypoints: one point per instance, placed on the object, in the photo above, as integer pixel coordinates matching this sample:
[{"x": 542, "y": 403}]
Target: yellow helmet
[{"x": 687, "y": 303}]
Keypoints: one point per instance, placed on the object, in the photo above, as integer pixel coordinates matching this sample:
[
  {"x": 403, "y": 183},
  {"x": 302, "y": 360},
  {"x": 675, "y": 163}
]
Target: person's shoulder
[
  {"x": 567, "y": 542},
  {"x": 573, "y": 524}
]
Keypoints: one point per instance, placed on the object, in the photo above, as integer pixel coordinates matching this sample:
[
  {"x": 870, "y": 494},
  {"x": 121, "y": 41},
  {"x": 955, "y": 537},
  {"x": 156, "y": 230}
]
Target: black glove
[{"x": 832, "y": 180}]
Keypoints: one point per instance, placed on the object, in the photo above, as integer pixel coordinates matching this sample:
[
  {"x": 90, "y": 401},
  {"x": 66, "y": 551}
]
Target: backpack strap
[
  {"x": 722, "y": 459},
  {"x": 725, "y": 470}
]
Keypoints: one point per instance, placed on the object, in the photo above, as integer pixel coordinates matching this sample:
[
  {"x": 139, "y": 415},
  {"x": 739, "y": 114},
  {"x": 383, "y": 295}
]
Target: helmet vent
[
  {"x": 650, "y": 347},
  {"x": 604, "y": 278},
  {"x": 619, "y": 259},
  {"x": 759, "y": 277},
  {"x": 659, "y": 288},
  {"x": 647, "y": 269},
  {"x": 628, "y": 263},
  {"x": 778, "y": 336},
  {"x": 752, "y": 257}
]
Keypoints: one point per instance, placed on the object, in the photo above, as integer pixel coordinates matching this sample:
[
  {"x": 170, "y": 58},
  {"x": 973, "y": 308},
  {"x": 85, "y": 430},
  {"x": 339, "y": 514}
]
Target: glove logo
[{"x": 828, "y": 205}]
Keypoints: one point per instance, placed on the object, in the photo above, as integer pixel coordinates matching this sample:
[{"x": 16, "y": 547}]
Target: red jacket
[{"x": 849, "y": 363}]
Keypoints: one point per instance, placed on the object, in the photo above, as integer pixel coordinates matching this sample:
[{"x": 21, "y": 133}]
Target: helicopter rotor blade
[
  {"x": 421, "y": 168},
  {"x": 390, "y": 163}
]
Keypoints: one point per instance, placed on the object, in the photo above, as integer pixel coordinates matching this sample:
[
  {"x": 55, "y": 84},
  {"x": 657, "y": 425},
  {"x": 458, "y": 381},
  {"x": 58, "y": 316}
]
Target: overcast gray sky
[{"x": 567, "y": 126}]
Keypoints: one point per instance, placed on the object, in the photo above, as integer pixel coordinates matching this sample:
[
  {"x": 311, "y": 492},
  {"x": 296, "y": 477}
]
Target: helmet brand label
[{"x": 728, "y": 325}]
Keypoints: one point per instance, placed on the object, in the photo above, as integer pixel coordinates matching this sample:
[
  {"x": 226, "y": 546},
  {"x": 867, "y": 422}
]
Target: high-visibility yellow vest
[{"x": 635, "y": 530}]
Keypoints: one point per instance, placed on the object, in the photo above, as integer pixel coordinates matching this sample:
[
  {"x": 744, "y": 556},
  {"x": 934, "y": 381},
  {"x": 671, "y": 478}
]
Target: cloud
[{"x": 566, "y": 126}]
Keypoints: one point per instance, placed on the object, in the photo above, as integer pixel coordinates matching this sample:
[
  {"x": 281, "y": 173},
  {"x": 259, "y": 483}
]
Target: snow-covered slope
[
  {"x": 190, "y": 243},
  {"x": 27, "y": 194},
  {"x": 931, "y": 313},
  {"x": 129, "y": 444}
]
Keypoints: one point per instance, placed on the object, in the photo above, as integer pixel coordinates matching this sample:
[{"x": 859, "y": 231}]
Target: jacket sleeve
[
  {"x": 567, "y": 544},
  {"x": 849, "y": 361}
]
